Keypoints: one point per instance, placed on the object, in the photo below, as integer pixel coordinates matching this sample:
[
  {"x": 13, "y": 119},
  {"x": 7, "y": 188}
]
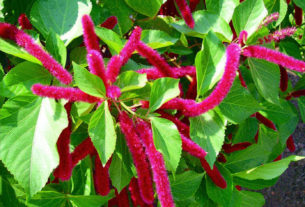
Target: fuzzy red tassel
[
  {"x": 90, "y": 38},
  {"x": 298, "y": 93},
  {"x": 96, "y": 65},
  {"x": 82, "y": 150},
  {"x": 298, "y": 15},
  {"x": 265, "y": 121},
  {"x": 221, "y": 158},
  {"x": 135, "y": 194},
  {"x": 186, "y": 13},
  {"x": 192, "y": 90},
  {"x": 110, "y": 22},
  {"x": 278, "y": 158},
  {"x": 154, "y": 73},
  {"x": 290, "y": 144},
  {"x": 101, "y": 177},
  {"x": 24, "y": 22},
  {"x": 214, "y": 174},
  {"x": 284, "y": 79},
  {"x": 229, "y": 148}
]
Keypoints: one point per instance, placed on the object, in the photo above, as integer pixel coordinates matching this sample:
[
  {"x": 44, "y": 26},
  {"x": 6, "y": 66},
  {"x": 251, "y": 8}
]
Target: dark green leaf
[
  {"x": 246, "y": 131},
  {"x": 131, "y": 80},
  {"x": 301, "y": 103},
  {"x": 29, "y": 132},
  {"x": 250, "y": 199},
  {"x": 291, "y": 48},
  {"x": 167, "y": 141},
  {"x": 79, "y": 56},
  {"x": 254, "y": 184},
  {"x": 20, "y": 79},
  {"x": 63, "y": 17},
  {"x": 248, "y": 15},
  {"x": 279, "y": 6},
  {"x": 210, "y": 63},
  {"x": 208, "y": 130},
  {"x": 56, "y": 47},
  {"x": 239, "y": 104},
  {"x": 7, "y": 194},
  {"x": 163, "y": 90},
  {"x": 102, "y": 132},
  {"x": 157, "y": 39},
  {"x": 88, "y": 82},
  {"x": 147, "y": 7},
  {"x": 300, "y": 3}
]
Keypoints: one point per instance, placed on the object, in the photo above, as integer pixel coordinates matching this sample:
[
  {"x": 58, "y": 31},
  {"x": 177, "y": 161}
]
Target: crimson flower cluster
[{"x": 149, "y": 162}]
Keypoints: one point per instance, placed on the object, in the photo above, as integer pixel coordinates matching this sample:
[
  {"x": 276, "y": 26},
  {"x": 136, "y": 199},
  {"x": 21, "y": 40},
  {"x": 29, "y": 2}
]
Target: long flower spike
[
  {"x": 116, "y": 62},
  {"x": 278, "y": 35},
  {"x": 101, "y": 177},
  {"x": 290, "y": 144},
  {"x": 271, "y": 18},
  {"x": 90, "y": 38},
  {"x": 298, "y": 15},
  {"x": 186, "y": 13},
  {"x": 96, "y": 65},
  {"x": 24, "y": 22},
  {"x": 275, "y": 57},
  {"x": 268, "y": 123},
  {"x": 284, "y": 79},
  {"x": 157, "y": 164},
  {"x": 82, "y": 150},
  {"x": 139, "y": 157},
  {"x": 154, "y": 73},
  {"x": 110, "y": 22},
  {"x": 57, "y": 92},
  {"x": 135, "y": 194},
  {"x": 214, "y": 174},
  {"x": 64, "y": 169}
]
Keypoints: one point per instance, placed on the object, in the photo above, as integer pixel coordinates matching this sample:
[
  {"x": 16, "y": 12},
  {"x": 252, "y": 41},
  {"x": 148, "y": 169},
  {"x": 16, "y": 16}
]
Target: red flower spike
[
  {"x": 192, "y": 148},
  {"x": 90, "y": 38},
  {"x": 122, "y": 198},
  {"x": 135, "y": 194},
  {"x": 290, "y": 144},
  {"x": 271, "y": 18},
  {"x": 157, "y": 165},
  {"x": 116, "y": 62},
  {"x": 57, "y": 92},
  {"x": 192, "y": 90},
  {"x": 238, "y": 187},
  {"x": 154, "y": 73},
  {"x": 8, "y": 31},
  {"x": 191, "y": 108},
  {"x": 193, "y": 4},
  {"x": 278, "y": 158},
  {"x": 242, "y": 38},
  {"x": 64, "y": 169},
  {"x": 96, "y": 65},
  {"x": 233, "y": 30},
  {"x": 284, "y": 79},
  {"x": 101, "y": 177},
  {"x": 265, "y": 121},
  {"x": 221, "y": 158},
  {"x": 241, "y": 79},
  {"x": 113, "y": 92},
  {"x": 298, "y": 15},
  {"x": 24, "y": 22},
  {"x": 278, "y": 35},
  {"x": 214, "y": 174},
  {"x": 275, "y": 57},
  {"x": 186, "y": 13},
  {"x": 229, "y": 148},
  {"x": 182, "y": 127},
  {"x": 110, "y": 22},
  {"x": 82, "y": 150},
  {"x": 256, "y": 136},
  {"x": 169, "y": 9},
  {"x": 298, "y": 93},
  {"x": 139, "y": 157},
  {"x": 155, "y": 59}
]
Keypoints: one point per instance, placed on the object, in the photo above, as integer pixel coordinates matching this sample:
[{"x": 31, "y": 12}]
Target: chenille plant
[{"x": 148, "y": 102}]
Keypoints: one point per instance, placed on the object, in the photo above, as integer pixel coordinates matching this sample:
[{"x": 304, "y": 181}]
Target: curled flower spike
[
  {"x": 101, "y": 177},
  {"x": 24, "y": 22},
  {"x": 265, "y": 121},
  {"x": 214, "y": 174},
  {"x": 290, "y": 144},
  {"x": 154, "y": 73},
  {"x": 298, "y": 15},
  {"x": 139, "y": 157},
  {"x": 155, "y": 59},
  {"x": 8, "y": 31},
  {"x": 229, "y": 148},
  {"x": 110, "y": 22},
  {"x": 296, "y": 94},
  {"x": 64, "y": 169},
  {"x": 116, "y": 62},
  {"x": 242, "y": 38},
  {"x": 113, "y": 92},
  {"x": 278, "y": 35},
  {"x": 284, "y": 79},
  {"x": 271, "y": 18},
  {"x": 186, "y": 13},
  {"x": 82, "y": 150},
  {"x": 57, "y": 92},
  {"x": 90, "y": 38},
  {"x": 275, "y": 57},
  {"x": 96, "y": 65},
  {"x": 191, "y": 108},
  {"x": 157, "y": 165}
]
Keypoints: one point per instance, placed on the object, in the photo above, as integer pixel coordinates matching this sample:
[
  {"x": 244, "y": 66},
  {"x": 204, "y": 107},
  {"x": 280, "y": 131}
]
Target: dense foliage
[{"x": 148, "y": 102}]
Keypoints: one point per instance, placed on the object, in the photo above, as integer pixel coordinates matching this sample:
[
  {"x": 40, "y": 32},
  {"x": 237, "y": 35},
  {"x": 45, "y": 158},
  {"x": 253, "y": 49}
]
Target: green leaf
[
  {"x": 269, "y": 171},
  {"x": 205, "y": 21},
  {"x": 90, "y": 201},
  {"x": 102, "y": 132},
  {"x": 29, "y": 132},
  {"x": 250, "y": 199},
  {"x": 300, "y": 3},
  {"x": 185, "y": 185},
  {"x": 256, "y": 154},
  {"x": 7, "y": 194},
  {"x": 246, "y": 131},
  {"x": 258, "y": 184},
  {"x": 120, "y": 168},
  {"x": 79, "y": 56},
  {"x": 248, "y": 15},
  {"x": 147, "y": 7},
  {"x": 266, "y": 77},
  {"x": 219, "y": 195},
  {"x": 157, "y": 39},
  {"x": 167, "y": 141},
  {"x": 279, "y": 6},
  {"x": 208, "y": 130},
  {"x": 223, "y": 8},
  {"x": 12, "y": 49},
  {"x": 123, "y": 12},
  {"x": 239, "y": 104},
  {"x": 290, "y": 47},
  {"x": 88, "y": 82},
  {"x": 130, "y": 80},
  {"x": 20, "y": 79},
  {"x": 63, "y": 17},
  {"x": 301, "y": 103},
  {"x": 56, "y": 47},
  {"x": 1, "y": 72},
  {"x": 163, "y": 90},
  {"x": 111, "y": 38},
  {"x": 284, "y": 116},
  {"x": 210, "y": 63}
]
